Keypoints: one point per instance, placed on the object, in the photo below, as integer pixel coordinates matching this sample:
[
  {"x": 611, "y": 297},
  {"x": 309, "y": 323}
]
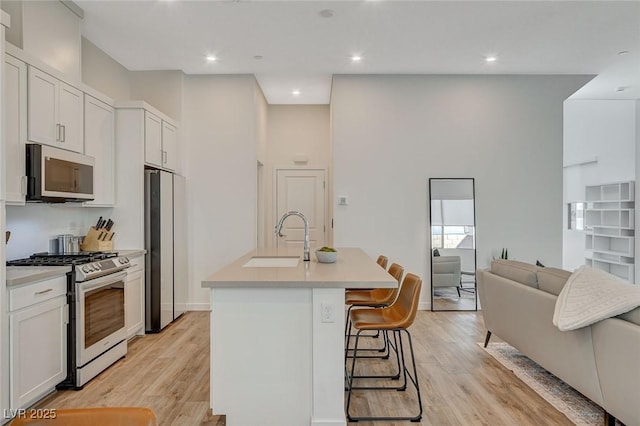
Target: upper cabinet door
[
  {"x": 43, "y": 126},
  {"x": 15, "y": 121},
  {"x": 169, "y": 149},
  {"x": 152, "y": 139},
  {"x": 71, "y": 118},
  {"x": 99, "y": 143},
  {"x": 55, "y": 112}
]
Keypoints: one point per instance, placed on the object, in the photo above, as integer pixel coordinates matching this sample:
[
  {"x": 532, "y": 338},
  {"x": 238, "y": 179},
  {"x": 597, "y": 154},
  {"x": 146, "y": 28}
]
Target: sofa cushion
[
  {"x": 552, "y": 280},
  {"x": 632, "y": 316},
  {"x": 521, "y": 272}
]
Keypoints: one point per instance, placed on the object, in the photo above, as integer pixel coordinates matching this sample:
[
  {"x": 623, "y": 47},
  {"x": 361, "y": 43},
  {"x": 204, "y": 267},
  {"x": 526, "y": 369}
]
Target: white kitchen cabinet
[
  {"x": 153, "y": 139},
  {"x": 55, "y": 112},
  {"x": 169, "y": 148},
  {"x": 134, "y": 297},
  {"x": 160, "y": 141},
  {"x": 99, "y": 143},
  {"x": 38, "y": 318},
  {"x": 15, "y": 122}
]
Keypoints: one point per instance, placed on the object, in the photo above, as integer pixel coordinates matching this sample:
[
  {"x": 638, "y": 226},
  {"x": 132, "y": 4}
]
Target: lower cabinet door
[
  {"x": 134, "y": 302},
  {"x": 38, "y": 350}
]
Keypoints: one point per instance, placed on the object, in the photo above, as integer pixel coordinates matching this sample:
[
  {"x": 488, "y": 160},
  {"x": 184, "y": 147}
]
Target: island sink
[{"x": 272, "y": 262}]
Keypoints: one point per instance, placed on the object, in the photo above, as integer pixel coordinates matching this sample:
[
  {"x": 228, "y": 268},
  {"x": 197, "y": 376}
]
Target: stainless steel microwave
[{"x": 57, "y": 176}]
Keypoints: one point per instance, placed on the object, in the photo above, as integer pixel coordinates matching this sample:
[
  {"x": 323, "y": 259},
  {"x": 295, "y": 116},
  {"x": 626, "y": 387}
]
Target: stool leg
[
  {"x": 350, "y": 376},
  {"x": 414, "y": 379},
  {"x": 411, "y": 375}
]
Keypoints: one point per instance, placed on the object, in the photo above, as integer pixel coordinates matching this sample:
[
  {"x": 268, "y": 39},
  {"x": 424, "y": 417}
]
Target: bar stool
[
  {"x": 396, "y": 318},
  {"x": 376, "y": 298},
  {"x": 98, "y": 416}
]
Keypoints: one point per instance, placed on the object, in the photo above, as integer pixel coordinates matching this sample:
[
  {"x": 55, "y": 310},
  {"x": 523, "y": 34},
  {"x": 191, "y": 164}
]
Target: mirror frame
[{"x": 475, "y": 249}]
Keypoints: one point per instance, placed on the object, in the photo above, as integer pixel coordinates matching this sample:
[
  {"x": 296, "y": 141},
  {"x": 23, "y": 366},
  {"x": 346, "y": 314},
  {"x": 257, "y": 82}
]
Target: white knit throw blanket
[{"x": 591, "y": 295}]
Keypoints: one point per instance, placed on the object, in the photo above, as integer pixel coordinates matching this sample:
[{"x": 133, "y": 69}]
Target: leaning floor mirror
[{"x": 453, "y": 244}]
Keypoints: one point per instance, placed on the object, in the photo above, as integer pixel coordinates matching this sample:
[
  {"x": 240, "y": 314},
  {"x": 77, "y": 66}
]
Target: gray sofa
[{"x": 601, "y": 361}]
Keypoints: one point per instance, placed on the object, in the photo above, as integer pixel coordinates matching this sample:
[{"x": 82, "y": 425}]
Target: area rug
[{"x": 579, "y": 409}]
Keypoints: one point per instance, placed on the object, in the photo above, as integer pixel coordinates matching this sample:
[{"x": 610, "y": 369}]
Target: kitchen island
[{"x": 277, "y": 335}]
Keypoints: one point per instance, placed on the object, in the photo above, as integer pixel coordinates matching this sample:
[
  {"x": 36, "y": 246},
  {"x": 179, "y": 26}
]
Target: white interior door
[{"x": 302, "y": 190}]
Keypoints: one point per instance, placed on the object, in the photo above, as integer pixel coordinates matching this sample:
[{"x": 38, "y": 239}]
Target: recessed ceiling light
[
  {"x": 327, "y": 13},
  {"x": 622, "y": 88},
  {"x": 491, "y": 59},
  {"x": 356, "y": 58},
  {"x": 623, "y": 52},
  {"x": 257, "y": 57},
  {"x": 295, "y": 92},
  {"x": 211, "y": 58}
]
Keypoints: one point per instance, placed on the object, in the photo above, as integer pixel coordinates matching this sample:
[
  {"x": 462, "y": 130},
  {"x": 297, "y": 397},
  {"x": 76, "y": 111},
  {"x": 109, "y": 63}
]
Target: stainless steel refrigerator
[{"x": 165, "y": 241}]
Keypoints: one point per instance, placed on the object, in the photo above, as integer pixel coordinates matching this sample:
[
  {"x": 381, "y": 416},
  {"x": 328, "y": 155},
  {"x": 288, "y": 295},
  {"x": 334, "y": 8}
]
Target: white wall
[
  {"x": 103, "y": 73},
  {"x": 219, "y": 139},
  {"x": 293, "y": 130},
  {"x": 392, "y": 133},
  {"x": 162, "y": 89},
  {"x": 605, "y": 130},
  {"x": 33, "y": 225},
  {"x": 51, "y": 32}
]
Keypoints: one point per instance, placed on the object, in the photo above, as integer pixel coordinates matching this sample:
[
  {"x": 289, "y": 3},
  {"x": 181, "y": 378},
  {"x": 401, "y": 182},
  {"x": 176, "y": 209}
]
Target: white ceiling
[{"x": 302, "y": 50}]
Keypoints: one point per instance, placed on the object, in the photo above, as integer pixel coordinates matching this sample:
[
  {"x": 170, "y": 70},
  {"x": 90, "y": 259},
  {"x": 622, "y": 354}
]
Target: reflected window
[
  {"x": 451, "y": 237},
  {"x": 575, "y": 216}
]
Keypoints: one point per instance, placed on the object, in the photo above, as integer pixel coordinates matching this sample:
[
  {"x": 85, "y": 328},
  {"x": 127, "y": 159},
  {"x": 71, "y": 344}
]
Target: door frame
[{"x": 274, "y": 198}]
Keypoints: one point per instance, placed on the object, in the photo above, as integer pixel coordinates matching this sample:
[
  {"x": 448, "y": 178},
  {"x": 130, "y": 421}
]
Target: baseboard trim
[
  {"x": 423, "y": 306},
  {"x": 198, "y": 307},
  {"x": 328, "y": 422}
]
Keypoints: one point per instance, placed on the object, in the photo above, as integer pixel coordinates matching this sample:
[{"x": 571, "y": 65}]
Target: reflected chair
[
  {"x": 396, "y": 318},
  {"x": 98, "y": 416},
  {"x": 446, "y": 272}
]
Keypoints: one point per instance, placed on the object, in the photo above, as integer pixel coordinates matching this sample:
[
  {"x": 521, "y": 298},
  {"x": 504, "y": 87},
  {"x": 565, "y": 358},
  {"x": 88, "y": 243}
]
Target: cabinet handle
[
  {"x": 44, "y": 291},
  {"x": 23, "y": 185},
  {"x": 164, "y": 157},
  {"x": 57, "y": 132},
  {"x": 64, "y": 133}
]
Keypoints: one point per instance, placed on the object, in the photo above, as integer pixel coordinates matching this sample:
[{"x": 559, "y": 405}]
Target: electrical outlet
[
  {"x": 343, "y": 200},
  {"x": 327, "y": 312}
]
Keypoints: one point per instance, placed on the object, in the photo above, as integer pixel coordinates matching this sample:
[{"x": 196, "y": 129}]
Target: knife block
[{"x": 92, "y": 241}]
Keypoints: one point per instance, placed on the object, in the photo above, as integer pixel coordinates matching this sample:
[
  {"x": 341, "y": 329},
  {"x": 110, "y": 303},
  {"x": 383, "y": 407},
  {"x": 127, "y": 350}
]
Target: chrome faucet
[{"x": 307, "y": 256}]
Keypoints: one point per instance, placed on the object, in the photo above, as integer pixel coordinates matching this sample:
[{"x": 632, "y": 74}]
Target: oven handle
[{"x": 102, "y": 281}]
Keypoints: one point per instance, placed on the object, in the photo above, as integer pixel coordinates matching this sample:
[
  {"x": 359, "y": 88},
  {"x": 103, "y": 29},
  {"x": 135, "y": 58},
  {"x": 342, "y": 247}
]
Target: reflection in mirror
[{"x": 453, "y": 244}]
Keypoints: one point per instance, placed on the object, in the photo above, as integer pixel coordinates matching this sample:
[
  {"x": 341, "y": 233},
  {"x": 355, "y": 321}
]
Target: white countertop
[
  {"x": 17, "y": 275},
  {"x": 353, "y": 269}
]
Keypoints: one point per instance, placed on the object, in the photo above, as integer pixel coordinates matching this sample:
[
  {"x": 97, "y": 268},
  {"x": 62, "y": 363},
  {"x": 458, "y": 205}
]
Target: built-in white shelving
[{"x": 609, "y": 218}]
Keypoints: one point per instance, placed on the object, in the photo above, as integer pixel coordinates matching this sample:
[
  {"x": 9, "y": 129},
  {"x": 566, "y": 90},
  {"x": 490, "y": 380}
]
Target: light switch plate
[{"x": 343, "y": 200}]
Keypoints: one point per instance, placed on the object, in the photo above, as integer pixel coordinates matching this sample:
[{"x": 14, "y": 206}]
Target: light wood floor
[{"x": 460, "y": 383}]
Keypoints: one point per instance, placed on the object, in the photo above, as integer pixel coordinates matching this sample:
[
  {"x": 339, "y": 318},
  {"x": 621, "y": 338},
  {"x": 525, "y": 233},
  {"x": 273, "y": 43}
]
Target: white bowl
[{"x": 326, "y": 256}]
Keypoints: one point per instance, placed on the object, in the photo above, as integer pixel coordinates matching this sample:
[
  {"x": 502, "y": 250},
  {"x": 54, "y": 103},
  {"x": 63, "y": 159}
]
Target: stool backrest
[
  {"x": 406, "y": 305},
  {"x": 389, "y": 294},
  {"x": 95, "y": 416},
  {"x": 396, "y": 271},
  {"x": 382, "y": 261}
]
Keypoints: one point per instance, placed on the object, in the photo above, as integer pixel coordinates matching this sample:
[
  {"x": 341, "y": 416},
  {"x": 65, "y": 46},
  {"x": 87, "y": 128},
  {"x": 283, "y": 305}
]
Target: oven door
[{"x": 100, "y": 322}]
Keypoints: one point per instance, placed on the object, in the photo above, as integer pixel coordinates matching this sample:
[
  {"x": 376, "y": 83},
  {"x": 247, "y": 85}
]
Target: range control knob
[{"x": 86, "y": 269}]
